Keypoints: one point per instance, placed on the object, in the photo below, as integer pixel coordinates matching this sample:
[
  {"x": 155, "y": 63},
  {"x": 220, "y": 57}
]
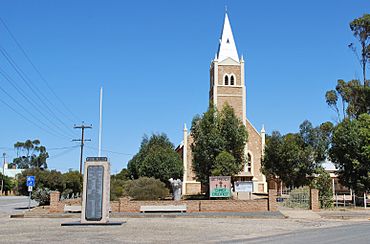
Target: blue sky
[{"x": 152, "y": 58}]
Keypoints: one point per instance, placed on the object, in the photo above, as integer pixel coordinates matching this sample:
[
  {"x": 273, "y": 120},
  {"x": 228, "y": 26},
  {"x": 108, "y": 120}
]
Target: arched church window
[
  {"x": 232, "y": 80},
  {"x": 226, "y": 80},
  {"x": 248, "y": 167}
]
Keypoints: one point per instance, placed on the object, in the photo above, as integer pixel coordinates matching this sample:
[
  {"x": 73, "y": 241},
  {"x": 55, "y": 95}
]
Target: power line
[
  {"x": 66, "y": 150},
  {"x": 27, "y": 81},
  {"x": 110, "y": 151},
  {"x": 32, "y": 122},
  {"x": 36, "y": 69},
  {"x": 22, "y": 93},
  {"x": 61, "y": 148}
]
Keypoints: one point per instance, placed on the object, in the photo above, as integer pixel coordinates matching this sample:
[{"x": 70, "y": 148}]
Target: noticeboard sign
[
  {"x": 243, "y": 186},
  {"x": 220, "y": 186}
]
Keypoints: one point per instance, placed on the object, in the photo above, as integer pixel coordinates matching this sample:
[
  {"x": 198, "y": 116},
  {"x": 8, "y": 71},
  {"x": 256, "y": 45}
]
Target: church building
[{"x": 227, "y": 85}]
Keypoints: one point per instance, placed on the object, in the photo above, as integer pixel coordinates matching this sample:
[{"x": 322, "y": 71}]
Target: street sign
[
  {"x": 30, "y": 188},
  {"x": 30, "y": 180}
]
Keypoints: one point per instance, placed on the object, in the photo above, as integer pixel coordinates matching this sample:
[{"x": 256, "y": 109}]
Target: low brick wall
[
  {"x": 57, "y": 206},
  {"x": 125, "y": 205}
]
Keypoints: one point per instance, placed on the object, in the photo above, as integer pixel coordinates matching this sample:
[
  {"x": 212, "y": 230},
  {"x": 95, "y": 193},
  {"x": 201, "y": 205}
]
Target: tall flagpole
[{"x": 100, "y": 118}]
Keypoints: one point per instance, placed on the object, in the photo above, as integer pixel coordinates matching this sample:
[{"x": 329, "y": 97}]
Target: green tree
[
  {"x": 73, "y": 182},
  {"x": 350, "y": 152},
  {"x": 361, "y": 30},
  {"x": 354, "y": 95},
  {"x": 323, "y": 183},
  {"x": 295, "y": 156},
  {"x": 52, "y": 180},
  {"x": 146, "y": 188},
  {"x": 156, "y": 158},
  {"x": 118, "y": 184},
  {"x": 218, "y": 136},
  {"x": 354, "y": 99},
  {"x": 225, "y": 165},
  {"x": 30, "y": 154},
  {"x": 8, "y": 182}
]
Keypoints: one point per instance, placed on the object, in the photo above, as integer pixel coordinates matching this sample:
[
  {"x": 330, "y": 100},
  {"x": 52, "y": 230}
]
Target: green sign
[
  {"x": 221, "y": 192},
  {"x": 219, "y": 186}
]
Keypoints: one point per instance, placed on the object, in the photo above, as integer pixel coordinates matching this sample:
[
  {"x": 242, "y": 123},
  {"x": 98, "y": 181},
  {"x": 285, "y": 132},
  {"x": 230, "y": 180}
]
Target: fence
[
  {"x": 70, "y": 196},
  {"x": 347, "y": 200},
  {"x": 295, "y": 198}
]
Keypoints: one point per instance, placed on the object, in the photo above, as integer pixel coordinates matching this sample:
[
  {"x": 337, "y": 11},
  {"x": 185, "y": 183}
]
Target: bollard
[
  {"x": 365, "y": 203},
  {"x": 354, "y": 200}
]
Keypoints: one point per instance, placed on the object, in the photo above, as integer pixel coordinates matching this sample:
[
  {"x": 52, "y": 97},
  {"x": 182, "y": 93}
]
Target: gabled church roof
[{"x": 227, "y": 48}]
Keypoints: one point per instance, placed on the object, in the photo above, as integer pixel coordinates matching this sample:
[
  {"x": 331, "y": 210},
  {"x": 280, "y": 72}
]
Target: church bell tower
[{"x": 227, "y": 75}]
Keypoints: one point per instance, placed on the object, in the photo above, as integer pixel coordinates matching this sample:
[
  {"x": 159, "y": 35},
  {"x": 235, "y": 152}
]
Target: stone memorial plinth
[{"x": 96, "y": 189}]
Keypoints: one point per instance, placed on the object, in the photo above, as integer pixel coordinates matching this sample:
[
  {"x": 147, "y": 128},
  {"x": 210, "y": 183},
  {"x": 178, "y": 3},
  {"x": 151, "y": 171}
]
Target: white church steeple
[{"x": 227, "y": 47}]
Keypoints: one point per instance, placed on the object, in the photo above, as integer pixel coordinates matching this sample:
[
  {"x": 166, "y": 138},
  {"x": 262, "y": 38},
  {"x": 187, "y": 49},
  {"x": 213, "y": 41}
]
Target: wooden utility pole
[
  {"x": 82, "y": 140},
  {"x": 2, "y": 176}
]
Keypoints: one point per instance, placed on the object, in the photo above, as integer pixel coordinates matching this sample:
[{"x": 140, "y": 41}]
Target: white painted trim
[
  {"x": 229, "y": 95},
  {"x": 193, "y": 182},
  {"x": 185, "y": 159},
  {"x": 231, "y": 86},
  {"x": 215, "y": 82},
  {"x": 242, "y": 83}
]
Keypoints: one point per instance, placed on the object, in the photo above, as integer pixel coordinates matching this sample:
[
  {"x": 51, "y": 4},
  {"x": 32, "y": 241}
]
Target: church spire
[{"x": 227, "y": 48}]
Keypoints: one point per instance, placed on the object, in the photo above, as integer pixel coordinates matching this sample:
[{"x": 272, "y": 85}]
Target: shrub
[
  {"x": 42, "y": 196},
  {"x": 324, "y": 184},
  {"x": 146, "y": 188}
]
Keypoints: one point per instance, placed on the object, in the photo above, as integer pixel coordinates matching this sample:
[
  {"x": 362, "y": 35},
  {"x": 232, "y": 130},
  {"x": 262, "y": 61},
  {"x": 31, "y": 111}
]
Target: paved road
[
  {"x": 184, "y": 230},
  {"x": 14, "y": 204},
  {"x": 356, "y": 233}
]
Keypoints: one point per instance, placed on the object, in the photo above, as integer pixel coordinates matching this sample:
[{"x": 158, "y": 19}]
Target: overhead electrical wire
[
  {"x": 27, "y": 81},
  {"x": 22, "y": 93},
  {"x": 37, "y": 70},
  {"x": 114, "y": 152},
  {"x": 29, "y": 120},
  {"x": 67, "y": 150}
]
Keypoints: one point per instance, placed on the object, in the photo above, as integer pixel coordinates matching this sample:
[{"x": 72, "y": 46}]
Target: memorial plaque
[{"x": 94, "y": 193}]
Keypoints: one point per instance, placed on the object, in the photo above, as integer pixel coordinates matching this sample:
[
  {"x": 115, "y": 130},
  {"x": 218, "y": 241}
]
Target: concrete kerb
[{"x": 252, "y": 215}]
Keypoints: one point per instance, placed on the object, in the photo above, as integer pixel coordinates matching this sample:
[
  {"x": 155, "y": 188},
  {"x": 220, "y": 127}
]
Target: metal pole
[
  {"x": 29, "y": 201},
  {"x": 100, "y": 118},
  {"x": 336, "y": 200}
]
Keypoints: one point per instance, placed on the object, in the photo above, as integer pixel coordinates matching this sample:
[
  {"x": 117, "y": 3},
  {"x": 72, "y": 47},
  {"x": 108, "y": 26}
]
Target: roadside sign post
[{"x": 30, "y": 184}]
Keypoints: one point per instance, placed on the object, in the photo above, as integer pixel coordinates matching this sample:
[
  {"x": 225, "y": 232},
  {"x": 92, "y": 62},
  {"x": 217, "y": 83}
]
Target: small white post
[
  {"x": 344, "y": 200},
  {"x": 354, "y": 199},
  {"x": 365, "y": 203}
]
